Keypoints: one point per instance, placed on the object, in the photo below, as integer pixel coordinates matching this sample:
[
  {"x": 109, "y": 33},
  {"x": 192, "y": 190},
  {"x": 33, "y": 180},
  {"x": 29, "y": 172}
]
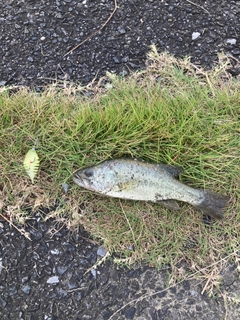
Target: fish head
[{"x": 98, "y": 178}]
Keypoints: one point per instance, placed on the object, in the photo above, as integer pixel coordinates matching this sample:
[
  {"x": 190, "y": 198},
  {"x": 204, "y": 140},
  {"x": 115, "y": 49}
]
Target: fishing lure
[{"x": 31, "y": 163}]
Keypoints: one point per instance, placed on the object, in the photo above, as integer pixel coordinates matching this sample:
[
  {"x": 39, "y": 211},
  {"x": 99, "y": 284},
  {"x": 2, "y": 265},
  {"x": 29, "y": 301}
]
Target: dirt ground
[{"x": 51, "y": 276}]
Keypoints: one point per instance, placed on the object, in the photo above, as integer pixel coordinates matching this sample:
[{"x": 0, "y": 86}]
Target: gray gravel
[
  {"x": 52, "y": 277},
  {"x": 46, "y": 278},
  {"x": 35, "y": 36}
]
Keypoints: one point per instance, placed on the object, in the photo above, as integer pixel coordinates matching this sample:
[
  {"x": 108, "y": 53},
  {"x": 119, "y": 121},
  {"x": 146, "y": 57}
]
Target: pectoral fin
[{"x": 170, "y": 204}]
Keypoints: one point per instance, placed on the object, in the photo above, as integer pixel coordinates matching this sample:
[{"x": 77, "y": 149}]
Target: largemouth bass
[{"x": 139, "y": 180}]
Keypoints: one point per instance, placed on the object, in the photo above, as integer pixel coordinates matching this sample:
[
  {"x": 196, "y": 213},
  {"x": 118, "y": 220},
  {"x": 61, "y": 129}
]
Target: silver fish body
[{"x": 139, "y": 180}]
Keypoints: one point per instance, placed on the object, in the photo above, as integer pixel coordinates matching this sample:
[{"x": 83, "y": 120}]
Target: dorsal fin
[{"x": 175, "y": 171}]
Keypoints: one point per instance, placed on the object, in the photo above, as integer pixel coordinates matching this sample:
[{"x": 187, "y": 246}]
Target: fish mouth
[{"x": 79, "y": 180}]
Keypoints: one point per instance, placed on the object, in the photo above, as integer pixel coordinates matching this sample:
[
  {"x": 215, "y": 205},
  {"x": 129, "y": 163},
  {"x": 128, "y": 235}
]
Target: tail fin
[{"x": 213, "y": 204}]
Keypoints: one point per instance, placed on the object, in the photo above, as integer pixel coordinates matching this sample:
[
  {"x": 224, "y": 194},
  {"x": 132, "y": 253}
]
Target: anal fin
[{"x": 170, "y": 204}]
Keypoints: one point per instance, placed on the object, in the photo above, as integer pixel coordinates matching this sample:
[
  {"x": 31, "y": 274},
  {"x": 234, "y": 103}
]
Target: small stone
[
  {"x": 198, "y": 308},
  {"x": 101, "y": 252},
  {"x": 3, "y": 303},
  {"x": 236, "y": 51},
  {"x": 125, "y": 59},
  {"x": 69, "y": 247},
  {"x": 12, "y": 291},
  {"x": 192, "y": 293},
  {"x": 195, "y": 35},
  {"x": 61, "y": 269},
  {"x": 91, "y": 257},
  {"x": 78, "y": 295},
  {"x": 53, "y": 280},
  {"x": 26, "y": 289},
  {"x": 62, "y": 293},
  {"x": 54, "y": 251},
  {"x": 121, "y": 30},
  {"x": 129, "y": 314},
  {"x": 116, "y": 60},
  {"x": 190, "y": 301},
  {"x": 59, "y": 16},
  {"x": 232, "y": 41},
  {"x": 94, "y": 273},
  {"x": 36, "y": 235},
  {"x": 72, "y": 284},
  {"x": 42, "y": 38},
  {"x": 64, "y": 31},
  {"x": 25, "y": 279},
  {"x": 65, "y": 187},
  {"x": 2, "y": 83}
]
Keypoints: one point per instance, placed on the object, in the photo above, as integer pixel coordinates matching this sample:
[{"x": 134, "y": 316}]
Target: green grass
[{"x": 173, "y": 113}]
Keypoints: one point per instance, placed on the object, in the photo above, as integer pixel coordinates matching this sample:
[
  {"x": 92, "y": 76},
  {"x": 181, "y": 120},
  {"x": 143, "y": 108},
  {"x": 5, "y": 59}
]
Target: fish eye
[{"x": 88, "y": 173}]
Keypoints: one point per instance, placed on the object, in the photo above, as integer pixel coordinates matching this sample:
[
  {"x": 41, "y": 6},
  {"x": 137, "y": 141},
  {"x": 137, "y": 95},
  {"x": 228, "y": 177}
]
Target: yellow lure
[{"x": 31, "y": 163}]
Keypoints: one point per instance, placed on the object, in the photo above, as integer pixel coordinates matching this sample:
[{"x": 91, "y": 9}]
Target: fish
[{"x": 139, "y": 180}]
